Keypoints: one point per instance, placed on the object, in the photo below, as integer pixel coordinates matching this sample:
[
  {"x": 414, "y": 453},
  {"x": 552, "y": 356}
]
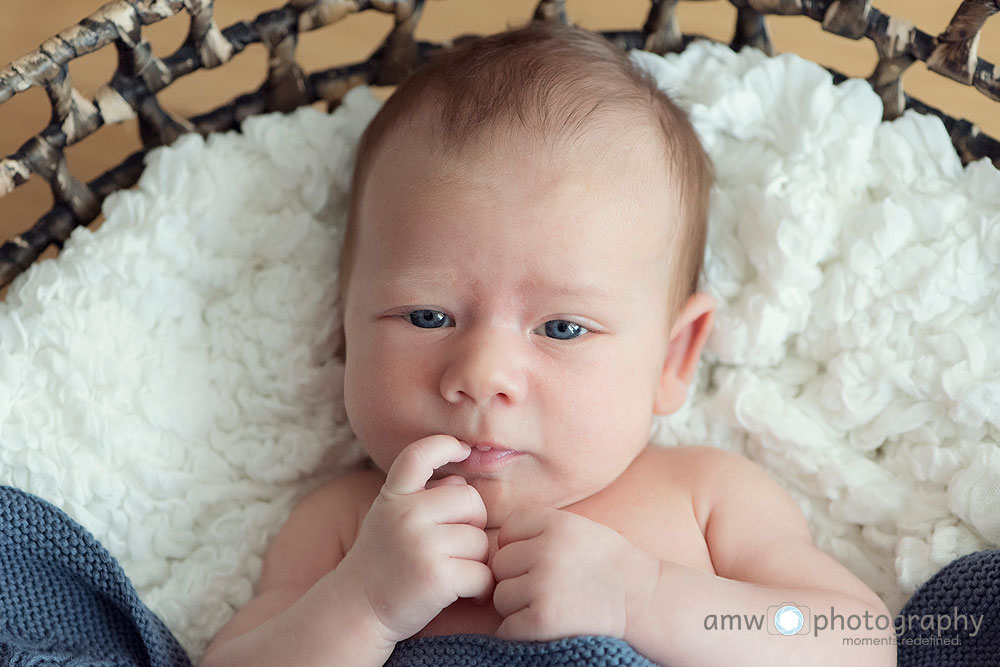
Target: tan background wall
[{"x": 24, "y": 24}]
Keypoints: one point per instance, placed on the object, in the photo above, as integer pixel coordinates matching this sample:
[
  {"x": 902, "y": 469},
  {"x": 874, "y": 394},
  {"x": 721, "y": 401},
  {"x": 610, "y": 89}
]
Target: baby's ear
[{"x": 687, "y": 339}]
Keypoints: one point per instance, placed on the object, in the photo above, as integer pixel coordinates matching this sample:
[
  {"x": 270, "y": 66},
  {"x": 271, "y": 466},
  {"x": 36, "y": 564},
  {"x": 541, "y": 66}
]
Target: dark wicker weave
[{"x": 140, "y": 76}]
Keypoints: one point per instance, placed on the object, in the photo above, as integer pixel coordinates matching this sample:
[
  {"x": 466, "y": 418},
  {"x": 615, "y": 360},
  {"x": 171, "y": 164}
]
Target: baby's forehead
[
  {"x": 620, "y": 149},
  {"x": 617, "y": 154},
  {"x": 416, "y": 188},
  {"x": 598, "y": 188}
]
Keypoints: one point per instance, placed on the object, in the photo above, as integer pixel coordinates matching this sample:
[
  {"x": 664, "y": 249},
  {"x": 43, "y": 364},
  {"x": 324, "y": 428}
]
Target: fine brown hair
[{"x": 553, "y": 80}]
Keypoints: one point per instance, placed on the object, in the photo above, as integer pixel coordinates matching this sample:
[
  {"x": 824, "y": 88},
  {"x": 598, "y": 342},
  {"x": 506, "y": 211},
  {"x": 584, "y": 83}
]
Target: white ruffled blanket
[{"x": 169, "y": 379}]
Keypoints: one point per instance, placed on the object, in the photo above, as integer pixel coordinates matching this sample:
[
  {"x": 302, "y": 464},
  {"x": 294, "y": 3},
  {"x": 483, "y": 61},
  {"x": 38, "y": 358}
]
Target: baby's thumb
[{"x": 450, "y": 479}]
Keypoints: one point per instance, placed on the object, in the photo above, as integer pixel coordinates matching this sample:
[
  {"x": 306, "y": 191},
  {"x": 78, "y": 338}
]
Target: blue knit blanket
[
  {"x": 65, "y": 601},
  {"x": 487, "y": 651},
  {"x": 954, "y": 618}
]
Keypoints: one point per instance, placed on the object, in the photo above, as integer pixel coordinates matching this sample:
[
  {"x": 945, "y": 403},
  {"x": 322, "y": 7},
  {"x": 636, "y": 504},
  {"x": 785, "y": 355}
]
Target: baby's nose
[{"x": 484, "y": 367}]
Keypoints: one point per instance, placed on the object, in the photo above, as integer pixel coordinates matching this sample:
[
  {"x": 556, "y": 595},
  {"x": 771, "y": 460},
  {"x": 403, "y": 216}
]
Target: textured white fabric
[
  {"x": 169, "y": 379},
  {"x": 857, "y": 349}
]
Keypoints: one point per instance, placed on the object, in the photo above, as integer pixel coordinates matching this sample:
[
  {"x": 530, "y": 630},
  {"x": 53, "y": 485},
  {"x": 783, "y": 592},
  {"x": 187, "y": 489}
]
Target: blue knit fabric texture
[
  {"x": 967, "y": 587},
  {"x": 487, "y": 651},
  {"x": 65, "y": 601}
]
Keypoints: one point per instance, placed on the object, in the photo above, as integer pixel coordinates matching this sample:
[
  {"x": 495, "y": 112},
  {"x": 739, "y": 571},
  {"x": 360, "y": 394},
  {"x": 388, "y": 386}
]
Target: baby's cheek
[
  {"x": 618, "y": 432},
  {"x": 368, "y": 414},
  {"x": 387, "y": 410}
]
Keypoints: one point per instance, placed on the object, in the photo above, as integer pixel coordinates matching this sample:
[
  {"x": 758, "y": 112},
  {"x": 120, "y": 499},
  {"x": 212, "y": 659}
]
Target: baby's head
[{"x": 526, "y": 230}]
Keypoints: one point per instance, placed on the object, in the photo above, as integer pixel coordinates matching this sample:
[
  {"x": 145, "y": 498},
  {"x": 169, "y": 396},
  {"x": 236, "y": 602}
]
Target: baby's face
[{"x": 519, "y": 300}]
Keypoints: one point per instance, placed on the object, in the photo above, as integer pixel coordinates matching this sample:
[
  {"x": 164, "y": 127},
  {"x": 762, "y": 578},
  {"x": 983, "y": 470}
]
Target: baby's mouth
[
  {"x": 485, "y": 447},
  {"x": 485, "y": 457}
]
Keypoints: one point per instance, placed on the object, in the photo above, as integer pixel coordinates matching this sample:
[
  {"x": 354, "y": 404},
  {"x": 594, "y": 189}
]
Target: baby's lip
[{"x": 485, "y": 445}]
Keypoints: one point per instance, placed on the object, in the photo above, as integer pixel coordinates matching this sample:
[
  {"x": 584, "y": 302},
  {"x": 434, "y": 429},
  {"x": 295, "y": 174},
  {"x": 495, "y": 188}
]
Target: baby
[{"x": 518, "y": 276}]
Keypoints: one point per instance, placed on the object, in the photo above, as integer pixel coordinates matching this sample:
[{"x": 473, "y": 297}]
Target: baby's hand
[
  {"x": 560, "y": 574},
  {"x": 421, "y": 546}
]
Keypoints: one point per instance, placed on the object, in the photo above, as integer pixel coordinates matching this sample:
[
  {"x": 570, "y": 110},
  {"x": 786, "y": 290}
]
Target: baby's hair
[{"x": 549, "y": 79}]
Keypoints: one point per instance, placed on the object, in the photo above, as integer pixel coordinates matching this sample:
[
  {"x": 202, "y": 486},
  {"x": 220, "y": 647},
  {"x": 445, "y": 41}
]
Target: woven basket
[{"x": 132, "y": 91}]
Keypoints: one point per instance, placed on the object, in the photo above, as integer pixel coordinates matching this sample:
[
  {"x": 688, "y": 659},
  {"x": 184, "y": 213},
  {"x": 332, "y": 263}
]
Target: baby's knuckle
[
  {"x": 409, "y": 520},
  {"x": 472, "y": 497},
  {"x": 386, "y": 504},
  {"x": 423, "y": 543},
  {"x": 536, "y": 617},
  {"x": 483, "y": 544},
  {"x": 541, "y": 606},
  {"x": 502, "y": 592},
  {"x": 436, "y": 572},
  {"x": 562, "y": 527},
  {"x": 421, "y": 561}
]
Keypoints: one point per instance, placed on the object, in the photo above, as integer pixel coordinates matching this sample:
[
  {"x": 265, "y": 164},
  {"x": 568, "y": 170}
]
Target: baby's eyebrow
[
  {"x": 530, "y": 286},
  {"x": 589, "y": 290}
]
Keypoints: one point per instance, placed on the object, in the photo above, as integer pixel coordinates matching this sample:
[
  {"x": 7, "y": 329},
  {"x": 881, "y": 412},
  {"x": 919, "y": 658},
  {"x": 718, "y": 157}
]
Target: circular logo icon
[{"x": 788, "y": 620}]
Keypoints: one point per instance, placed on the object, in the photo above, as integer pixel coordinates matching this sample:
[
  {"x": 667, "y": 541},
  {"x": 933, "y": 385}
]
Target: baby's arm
[
  {"x": 763, "y": 555},
  {"x": 298, "y": 615},
  {"x": 420, "y": 547}
]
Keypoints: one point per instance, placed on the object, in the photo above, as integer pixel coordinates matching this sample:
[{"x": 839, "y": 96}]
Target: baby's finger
[
  {"x": 521, "y": 626},
  {"x": 452, "y": 503},
  {"x": 526, "y": 523},
  {"x": 461, "y": 540},
  {"x": 450, "y": 479},
  {"x": 514, "y": 559},
  {"x": 512, "y": 595},
  {"x": 416, "y": 463},
  {"x": 471, "y": 579}
]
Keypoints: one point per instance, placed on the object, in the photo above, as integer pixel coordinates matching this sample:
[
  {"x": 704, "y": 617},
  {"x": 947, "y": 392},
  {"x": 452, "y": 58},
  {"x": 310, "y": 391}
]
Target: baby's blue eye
[
  {"x": 435, "y": 319},
  {"x": 560, "y": 327},
  {"x": 431, "y": 318}
]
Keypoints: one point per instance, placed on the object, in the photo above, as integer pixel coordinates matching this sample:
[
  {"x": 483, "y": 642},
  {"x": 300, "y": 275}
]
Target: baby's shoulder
[
  {"x": 661, "y": 471},
  {"x": 717, "y": 472},
  {"x": 342, "y": 493},
  {"x": 339, "y": 504},
  {"x": 361, "y": 483},
  {"x": 706, "y": 473},
  {"x": 346, "y": 498},
  {"x": 655, "y": 505}
]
